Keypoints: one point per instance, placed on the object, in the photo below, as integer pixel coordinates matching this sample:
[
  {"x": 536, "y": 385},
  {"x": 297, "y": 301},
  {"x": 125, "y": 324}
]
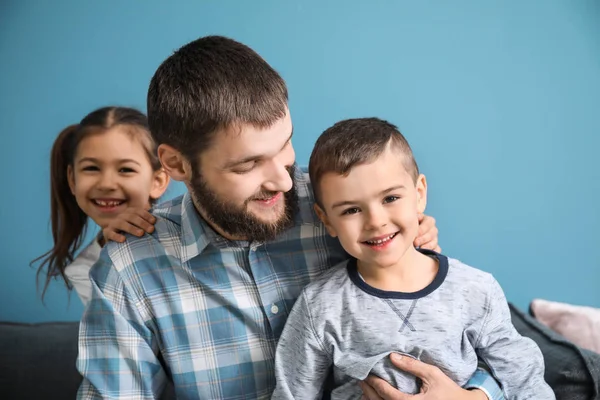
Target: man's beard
[{"x": 238, "y": 221}]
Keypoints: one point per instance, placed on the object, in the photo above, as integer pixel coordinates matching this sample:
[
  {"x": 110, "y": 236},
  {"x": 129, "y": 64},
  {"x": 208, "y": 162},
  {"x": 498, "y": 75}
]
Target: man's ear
[
  {"x": 323, "y": 217},
  {"x": 174, "y": 163},
  {"x": 421, "y": 193}
]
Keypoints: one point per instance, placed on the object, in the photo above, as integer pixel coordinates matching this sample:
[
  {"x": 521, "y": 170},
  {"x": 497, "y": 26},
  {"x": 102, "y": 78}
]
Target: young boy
[{"x": 392, "y": 297}]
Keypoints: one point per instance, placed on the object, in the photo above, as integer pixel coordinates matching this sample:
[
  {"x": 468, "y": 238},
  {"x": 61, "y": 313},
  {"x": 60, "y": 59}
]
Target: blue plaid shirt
[{"x": 189, "y": 305}]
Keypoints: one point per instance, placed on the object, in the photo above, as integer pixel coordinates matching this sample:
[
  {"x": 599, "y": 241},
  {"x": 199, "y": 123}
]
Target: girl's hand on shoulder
[{"x": 135, "y": 221}]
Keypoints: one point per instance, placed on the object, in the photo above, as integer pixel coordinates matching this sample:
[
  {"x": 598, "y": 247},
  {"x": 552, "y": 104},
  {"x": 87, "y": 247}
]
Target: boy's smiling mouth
[{"x": 380, "y": 241}]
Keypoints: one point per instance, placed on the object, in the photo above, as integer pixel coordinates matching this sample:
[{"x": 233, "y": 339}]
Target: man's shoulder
[
  {"x": 161, "y": 247},
  {"x": 170, "y": 210},
  {"x": 164, "y": 242}
]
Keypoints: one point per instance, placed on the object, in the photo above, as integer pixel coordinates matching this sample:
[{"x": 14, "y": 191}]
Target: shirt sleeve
[
  {"x": 117, "y": 351},
  {"x": 78, "y": 272},
  {"x": 78, "y": 275},
  {"x": 301, "y": 362},
  {"x": 515, "y": 361},
  {"x": 485, "y": 382}
]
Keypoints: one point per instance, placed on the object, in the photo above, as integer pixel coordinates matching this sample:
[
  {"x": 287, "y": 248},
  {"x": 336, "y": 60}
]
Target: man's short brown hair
[
  {"x": 353, "y": 142},
  {"x": 208, "y": 85}
]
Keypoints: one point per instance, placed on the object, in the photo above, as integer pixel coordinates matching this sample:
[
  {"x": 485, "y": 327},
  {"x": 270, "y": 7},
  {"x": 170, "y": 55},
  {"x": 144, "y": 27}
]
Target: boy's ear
[
  {"x": 174, "y": 163},
  {"x": 421, "y": 193},
  {"x": 159, "y": 184},
  {"x": 323, "y": 217}
]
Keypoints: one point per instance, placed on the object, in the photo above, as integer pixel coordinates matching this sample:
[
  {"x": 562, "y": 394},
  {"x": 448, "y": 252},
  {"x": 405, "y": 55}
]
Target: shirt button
[{"x": 274, "y": 309}]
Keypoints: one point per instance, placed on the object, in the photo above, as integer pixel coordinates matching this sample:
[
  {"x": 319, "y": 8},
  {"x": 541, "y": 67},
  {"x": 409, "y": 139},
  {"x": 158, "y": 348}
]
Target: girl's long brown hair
[{"x": 69, "y": 222}]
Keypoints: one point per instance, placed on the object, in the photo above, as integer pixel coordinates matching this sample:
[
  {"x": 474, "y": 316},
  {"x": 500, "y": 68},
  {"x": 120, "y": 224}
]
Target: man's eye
[{"x": 247, "y": 168}]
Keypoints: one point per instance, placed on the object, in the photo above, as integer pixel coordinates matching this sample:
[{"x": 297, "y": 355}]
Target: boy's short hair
[
  {"x": 210, "y": 84},
  {"x": 353, "y": 142}
]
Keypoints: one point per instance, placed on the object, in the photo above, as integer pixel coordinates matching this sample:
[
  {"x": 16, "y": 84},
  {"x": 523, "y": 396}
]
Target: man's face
[{"x": 244, "y": 184}]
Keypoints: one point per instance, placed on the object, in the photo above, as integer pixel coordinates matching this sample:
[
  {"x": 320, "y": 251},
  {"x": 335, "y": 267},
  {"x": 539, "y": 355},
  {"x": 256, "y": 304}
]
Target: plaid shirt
[{"x": 189, "y": 305}]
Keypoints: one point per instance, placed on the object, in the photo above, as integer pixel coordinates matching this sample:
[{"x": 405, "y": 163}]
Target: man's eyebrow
[
  {"x": 233, "y": 163},
  {"x": 383, "y": 192}
]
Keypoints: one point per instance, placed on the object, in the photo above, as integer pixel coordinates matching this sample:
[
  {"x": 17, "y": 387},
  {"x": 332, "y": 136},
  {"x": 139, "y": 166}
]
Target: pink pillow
[{"x": 578, "y": 324}]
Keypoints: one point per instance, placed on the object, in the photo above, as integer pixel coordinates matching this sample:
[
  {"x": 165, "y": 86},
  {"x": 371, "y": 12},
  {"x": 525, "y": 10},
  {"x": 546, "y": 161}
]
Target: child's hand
[
  {"x": 135, "y": 221},
  {"x": 427, "y": 237}
]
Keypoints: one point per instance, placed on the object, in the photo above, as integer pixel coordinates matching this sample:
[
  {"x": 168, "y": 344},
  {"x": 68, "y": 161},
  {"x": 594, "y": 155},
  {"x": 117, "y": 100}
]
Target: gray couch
[{"x": 37, "y": 361}]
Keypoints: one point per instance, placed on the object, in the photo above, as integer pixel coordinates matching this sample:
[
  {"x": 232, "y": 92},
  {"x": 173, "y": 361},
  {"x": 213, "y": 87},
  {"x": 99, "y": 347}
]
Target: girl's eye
[
  {"x": 351, "y": 211},
  {"x": 126, "y": 170},
  {"x": 390, "y": 199},
  {"x": 90, "y": 168}
]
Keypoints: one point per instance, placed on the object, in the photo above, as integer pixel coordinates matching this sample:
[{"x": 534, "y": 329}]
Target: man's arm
[
  {"x": 301, "y": 363},
  {"x": 117, "y": 352}
]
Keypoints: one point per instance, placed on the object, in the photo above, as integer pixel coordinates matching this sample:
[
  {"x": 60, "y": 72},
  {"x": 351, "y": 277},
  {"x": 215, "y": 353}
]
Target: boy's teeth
[{"x": 380, "y": 241}]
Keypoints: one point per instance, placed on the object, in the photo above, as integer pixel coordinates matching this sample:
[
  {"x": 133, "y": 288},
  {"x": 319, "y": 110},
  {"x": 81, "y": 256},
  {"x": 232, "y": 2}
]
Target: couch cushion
[
  {"x": 37, "y": 361},
  {"x": 572, "y": 372}
]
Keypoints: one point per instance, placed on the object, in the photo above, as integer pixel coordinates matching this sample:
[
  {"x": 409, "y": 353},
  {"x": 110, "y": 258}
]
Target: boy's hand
[
  {"x": 135, "y": 221},
  {"x": 436, "y": 385},
  {"x": 427, "y": 237}
]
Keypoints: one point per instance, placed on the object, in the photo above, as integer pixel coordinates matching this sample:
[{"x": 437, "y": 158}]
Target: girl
[{"x": 98, "y": 168}]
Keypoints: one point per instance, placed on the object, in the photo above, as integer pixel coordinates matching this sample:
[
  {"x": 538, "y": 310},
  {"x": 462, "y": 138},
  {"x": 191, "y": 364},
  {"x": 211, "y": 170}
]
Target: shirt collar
[{"x": 194, "y": 237}]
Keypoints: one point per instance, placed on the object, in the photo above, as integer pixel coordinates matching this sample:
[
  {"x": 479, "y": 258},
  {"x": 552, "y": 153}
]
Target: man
[{"x": 202, "y": 301}]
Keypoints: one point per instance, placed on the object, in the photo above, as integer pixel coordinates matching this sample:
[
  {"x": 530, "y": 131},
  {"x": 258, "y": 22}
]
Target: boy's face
[{"x": 374, "y": 210}]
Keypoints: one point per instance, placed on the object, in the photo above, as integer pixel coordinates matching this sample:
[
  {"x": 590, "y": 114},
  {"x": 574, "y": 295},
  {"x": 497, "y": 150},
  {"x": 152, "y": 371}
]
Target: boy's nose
[{"x": 376, "y": 219}]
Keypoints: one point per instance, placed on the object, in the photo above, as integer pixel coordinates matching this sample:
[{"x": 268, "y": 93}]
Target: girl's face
[{"x": 110, "y": 172}]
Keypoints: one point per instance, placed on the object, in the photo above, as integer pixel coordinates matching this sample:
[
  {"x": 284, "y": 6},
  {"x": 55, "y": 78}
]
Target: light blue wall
[{"x": 500, "y": 100}]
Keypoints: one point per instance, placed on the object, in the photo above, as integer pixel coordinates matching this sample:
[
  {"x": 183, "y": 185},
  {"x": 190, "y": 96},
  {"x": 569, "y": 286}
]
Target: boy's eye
[
  {"x": 351, "y": 211},
  {"x": 390, "y": 199}
]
